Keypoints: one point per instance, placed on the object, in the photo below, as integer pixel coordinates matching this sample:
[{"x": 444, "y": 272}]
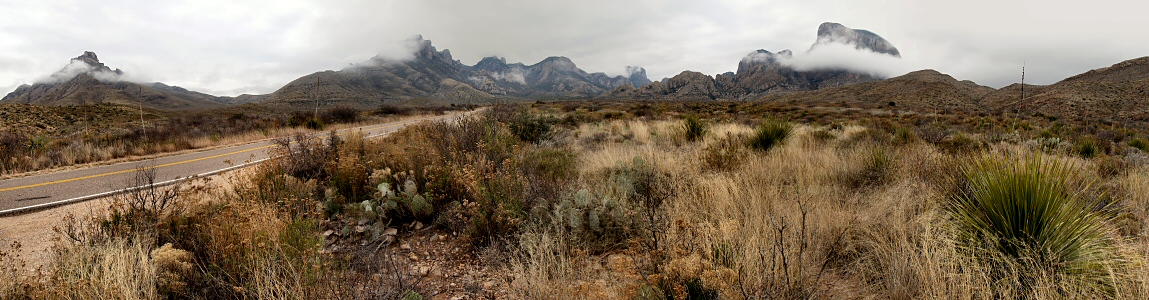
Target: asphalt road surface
[{"x": 42, "y": 191}]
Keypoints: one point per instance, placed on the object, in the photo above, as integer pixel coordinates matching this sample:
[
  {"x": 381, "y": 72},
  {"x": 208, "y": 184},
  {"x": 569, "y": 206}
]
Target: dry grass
[
  {"x": 93, "y": 138},
  {"x": 785, "y": 224},
  {"x": 617, "y": 209}
]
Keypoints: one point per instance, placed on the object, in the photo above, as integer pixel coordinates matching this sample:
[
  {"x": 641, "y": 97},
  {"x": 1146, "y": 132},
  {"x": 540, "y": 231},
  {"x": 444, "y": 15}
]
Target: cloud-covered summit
[
  {"x": 834, "y": 33},
  {"x": 87, "y": 63}
]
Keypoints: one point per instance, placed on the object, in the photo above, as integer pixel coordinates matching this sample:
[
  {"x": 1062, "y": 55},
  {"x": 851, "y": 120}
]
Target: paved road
[{"x": 52, "y": 189}]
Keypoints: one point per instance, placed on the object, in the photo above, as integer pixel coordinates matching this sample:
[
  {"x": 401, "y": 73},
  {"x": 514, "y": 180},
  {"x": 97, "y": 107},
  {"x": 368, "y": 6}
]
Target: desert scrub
[
  {"x": 1086, "y": 148},
  {"x": 1139, "y": 143},
  {"x": 1027, "y": 222},
  {"x": 694, "y": 129},
  {"x": 769, "y": 134},
  {"x": 725, "y": 154},
  {"x": 875, "y": 168}
]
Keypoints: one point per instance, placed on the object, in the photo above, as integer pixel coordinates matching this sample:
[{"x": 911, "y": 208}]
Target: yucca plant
[
  {"x": 694, "y": 128},
  {"x": 1087, "y": 148},
  {"x": 1022, "y": 219},
  {"x": 1140, "y": 143},
  {"x": 770, "y": 133}
]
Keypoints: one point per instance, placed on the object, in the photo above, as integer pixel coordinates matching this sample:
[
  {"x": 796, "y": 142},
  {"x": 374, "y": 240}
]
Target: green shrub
[
  {"x": 341, "y": 114},
  {"x": 769, "y": 134},
  {"x": 645, "y": 188},
  {"x": 1140, "y": 143},
  {"x": 903, "y": 136},
  {"x": 960, "y": 143},
  {"x": 876, "y": 169},
  {"x": 1023, "y": 221},
  {"x": 532, "y": 128},
  {"x": 694, "y": 128},
  {"x": 314, "y": 124},
  {"x": 1086, "y": 148}
]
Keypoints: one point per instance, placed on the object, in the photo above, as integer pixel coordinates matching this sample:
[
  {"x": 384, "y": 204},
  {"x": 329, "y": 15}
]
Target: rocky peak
[
  {"x": 558, "y": 63},
  {"x": 637, "y": 76},
  {"x": 762, "y": 58},
  {"x": 89, "y": 58},
  {"x": 86, "y": 64},
  {"x": 92, "y": 63},
  {"x": 491, "y": 63},
  {"x": 834, "y": 33},
  {"x": 425, "y": 51}
]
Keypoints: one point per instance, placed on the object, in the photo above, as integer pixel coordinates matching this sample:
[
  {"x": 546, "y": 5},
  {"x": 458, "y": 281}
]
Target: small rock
[
  {"x": 360, "y": 229},
  {"x": 423, "y": 270},
  {"x": 418, "y": 225},
  {"x": 413, "y": 257},
  {"x": 391, "y": 231},
  {"x": 328, "y": 233},
  {"x": 405, "y": 246}
]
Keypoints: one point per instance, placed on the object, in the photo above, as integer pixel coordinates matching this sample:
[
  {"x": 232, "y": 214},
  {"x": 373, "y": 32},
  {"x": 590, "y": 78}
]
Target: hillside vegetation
[
  {"x": 605, "y": 200},
  {"x": 34, "y": 137}
]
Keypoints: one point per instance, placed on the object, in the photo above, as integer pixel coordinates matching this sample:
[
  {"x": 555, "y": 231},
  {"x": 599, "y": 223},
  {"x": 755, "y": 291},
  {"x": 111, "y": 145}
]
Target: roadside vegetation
[
  {"x": 603, "y": 200},
  {"x": 36, "y": 137}
]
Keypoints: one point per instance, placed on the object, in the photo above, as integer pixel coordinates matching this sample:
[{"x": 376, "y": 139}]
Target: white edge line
[{"x": 41, "y": 206}]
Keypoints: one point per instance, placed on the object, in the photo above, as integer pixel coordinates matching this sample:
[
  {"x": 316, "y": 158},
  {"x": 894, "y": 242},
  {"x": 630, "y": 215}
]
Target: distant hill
[
  {"x": 763, "y": 73},
  {"x": 434, "y": 77},
  {"x": 924, "y": 91},
  {"x": 1119, "y": 93},
  {"x": 85, "y": 80}
]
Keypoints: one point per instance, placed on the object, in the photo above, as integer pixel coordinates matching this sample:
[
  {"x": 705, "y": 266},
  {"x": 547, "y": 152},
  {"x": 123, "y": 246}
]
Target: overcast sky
[{"x": 226, "y": 48}]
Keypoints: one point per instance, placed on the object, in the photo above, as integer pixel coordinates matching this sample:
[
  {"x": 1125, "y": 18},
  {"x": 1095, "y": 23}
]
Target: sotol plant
[
  {"x": 770, "y": 133},
  {"x": 694, "y": 128},
  {"x": 1021, "y": 218}
]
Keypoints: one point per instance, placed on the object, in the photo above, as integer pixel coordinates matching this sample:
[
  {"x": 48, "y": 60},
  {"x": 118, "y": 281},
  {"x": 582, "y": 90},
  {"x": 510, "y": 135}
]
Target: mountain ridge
[{"x": 86, "y": 80}]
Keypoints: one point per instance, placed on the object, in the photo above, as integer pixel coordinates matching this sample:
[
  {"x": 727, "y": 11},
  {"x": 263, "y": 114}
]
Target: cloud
[
  {"x": 838, "y": 56},
  {"x": 515, "y": 75},
  {"x": 77, "y": 67},
  {"x": 227, "y": 48}
]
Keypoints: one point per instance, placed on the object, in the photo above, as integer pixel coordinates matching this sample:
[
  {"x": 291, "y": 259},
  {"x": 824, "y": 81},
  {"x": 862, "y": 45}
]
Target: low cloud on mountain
[
  {"x": 77, "y": 67},
  {"x": 845, "y": 57},
  {"x": 258, "y": 46}
]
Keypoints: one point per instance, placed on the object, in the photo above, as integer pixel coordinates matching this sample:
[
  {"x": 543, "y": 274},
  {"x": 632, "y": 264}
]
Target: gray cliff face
[
  {"x": 85, "y": 80},
  {"x": 831, "y": 33},
  {"x": 637, "y": 76},
  {"x": 763, "y": 73},
  {"x": 433, "y": 76}
]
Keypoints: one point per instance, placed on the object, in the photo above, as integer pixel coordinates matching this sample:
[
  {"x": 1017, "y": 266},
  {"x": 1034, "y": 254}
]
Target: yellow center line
[
  {"x": 174, "y": 163},
  {"x": 126, "y": 171},
  {"x": 347, "y": 131}
]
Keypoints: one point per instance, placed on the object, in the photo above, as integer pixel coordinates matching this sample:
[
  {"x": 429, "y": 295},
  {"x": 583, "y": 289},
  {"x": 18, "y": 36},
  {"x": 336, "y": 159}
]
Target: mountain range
[
  {"x": 432, "y": 77},
  {"x": 85, "y": 80}
]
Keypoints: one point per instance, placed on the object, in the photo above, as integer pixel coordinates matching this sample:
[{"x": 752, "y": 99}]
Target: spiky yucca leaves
[
  {"x": 694, "y": 128},
  {"x": 1026, "y": 223},
  {"x": 770, "y": 133}
]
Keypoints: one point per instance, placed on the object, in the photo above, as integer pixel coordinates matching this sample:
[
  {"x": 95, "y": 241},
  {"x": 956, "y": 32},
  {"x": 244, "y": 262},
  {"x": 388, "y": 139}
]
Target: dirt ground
[{"x": 34, "y": 231}]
